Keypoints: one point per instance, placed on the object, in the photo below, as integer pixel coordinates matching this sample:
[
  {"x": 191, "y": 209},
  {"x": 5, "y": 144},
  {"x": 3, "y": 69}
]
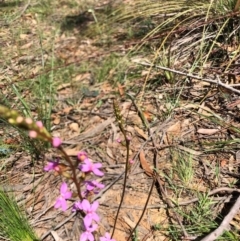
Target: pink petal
[
  {"x": 87, "y": 222},
  {"x": 56, "y": 142},
  {"x": 95, "y": 206},
  {"x": 97, "y": 165},
  {"x": 85, "y": 205},
  {"x": 85, "y": 168},
  {"x": 90, "y": 237},
  {"x": 95, "y": 217},
  {"x": 58, "y": 203},
  {"x": 93, "y": 228},
  {"x": 84, "y": 236},
  {"x": 98, "y": 172},
  {"x": 64, "y": 205},
  {"x": 63, "y": 188},
  {"x": 67, "y": 195}
]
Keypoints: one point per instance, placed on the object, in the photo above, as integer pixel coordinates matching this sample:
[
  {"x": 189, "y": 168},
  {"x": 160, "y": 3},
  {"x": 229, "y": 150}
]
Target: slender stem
[
  {"x": 73, "y": 169},
  {"x": 145, "y": 207},
  {"x": 127, "y": 166}
]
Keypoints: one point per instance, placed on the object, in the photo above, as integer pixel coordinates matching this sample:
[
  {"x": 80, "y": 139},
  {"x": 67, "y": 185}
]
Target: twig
[
  {"x": 216, "y": 82},
  {"x": 225, "y": 223}
]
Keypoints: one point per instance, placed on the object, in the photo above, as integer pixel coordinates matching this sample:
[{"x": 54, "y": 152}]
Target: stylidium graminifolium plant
[{"x": 83, "y": 172}]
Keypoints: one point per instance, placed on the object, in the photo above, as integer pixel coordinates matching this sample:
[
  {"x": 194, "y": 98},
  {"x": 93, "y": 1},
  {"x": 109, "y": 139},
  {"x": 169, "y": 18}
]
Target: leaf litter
[{"x": 84, "y": 123}]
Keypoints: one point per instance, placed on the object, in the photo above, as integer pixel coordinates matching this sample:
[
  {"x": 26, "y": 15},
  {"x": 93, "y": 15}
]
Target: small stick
[{"x": 216, "y": 82}]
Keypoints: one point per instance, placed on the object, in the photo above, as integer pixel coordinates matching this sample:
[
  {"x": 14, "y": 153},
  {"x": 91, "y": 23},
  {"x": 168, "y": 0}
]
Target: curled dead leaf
[{"x": 145, "y": 165}]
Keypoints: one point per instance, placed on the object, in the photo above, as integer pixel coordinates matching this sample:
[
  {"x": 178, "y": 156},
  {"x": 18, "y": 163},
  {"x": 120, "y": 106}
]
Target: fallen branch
[
  {"x": 225, "y": 223},
  {"x": 216, "y": 82}
]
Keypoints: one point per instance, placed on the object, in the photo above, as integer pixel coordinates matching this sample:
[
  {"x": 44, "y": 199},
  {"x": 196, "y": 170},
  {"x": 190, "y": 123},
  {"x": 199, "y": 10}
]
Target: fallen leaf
[
  {"x": 148, "y": 115},
  {"x": 71, "y": 152},
  {"x": 145, "y": 165},
  {"x": 172, "y": 132},
  {"x": 189, "y": 150},
  {"x": 120, "y": 89},
  {"x": 27, "y": 45},
  {"x": 56, "y": 120},
  {"x": 207, "y": 131},
  {"x": 223, "y": 163},
  {"x": 74, "y": 127},
  {"x": 140, "y": 132},
  {"x": 67, "y": 110},
  {"x": 63, "y": 86}
]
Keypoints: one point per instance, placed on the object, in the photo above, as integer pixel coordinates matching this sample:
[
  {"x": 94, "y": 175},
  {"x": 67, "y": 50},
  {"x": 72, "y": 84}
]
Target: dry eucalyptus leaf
[
  {"x": 140, "y": 132},
  {"x": 72, "y": 152},
  {"x": 207, "y": 131},
  {"x": 145, "y": 165}
]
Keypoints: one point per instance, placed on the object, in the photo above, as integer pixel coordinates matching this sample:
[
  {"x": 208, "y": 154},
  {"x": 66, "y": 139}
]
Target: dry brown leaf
[
  {"x": 145, "y": 165},
  {"x": 223, "y": 163},
  {"x": 71, "y": 152},
  {"x": 134, "y": 119},
  {"x": 67, "y": 110},
  {"x": 120, "y": 89},
  {"x": 74, "y": 127},
  {"x": 174, "y": 129},
  {"x": 190, "y": 151},
  {"x": 27, "y": 45},
  {"x": 63, "y": 86},
  {"x": 207, "y": 131},
  {"x": 172, "y": 132},
  {"x": 140, "y": 132},
  {"x": 56, "y": 120},
  {"x": 148, "y": 115}
]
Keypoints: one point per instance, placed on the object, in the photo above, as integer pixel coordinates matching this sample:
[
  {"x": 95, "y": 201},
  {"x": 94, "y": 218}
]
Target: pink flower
[
  {"x": 87, "y": 235},
  {"x": 64, "y": 195},
  {"x": 118, "y": 140},
  {"x": 107, "y": 238},
  {"x": 90, "y": 211},
  {"x": 88, "y": 166},
  {"x": 56, "y": 142},
  {"x": 77, "y": 206},
  {"x": 131, "y": 161},
  {"x": 93, "y": 185},
  {"x": 82, "y": 155},
  {"x": 52, "y": 165}
]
